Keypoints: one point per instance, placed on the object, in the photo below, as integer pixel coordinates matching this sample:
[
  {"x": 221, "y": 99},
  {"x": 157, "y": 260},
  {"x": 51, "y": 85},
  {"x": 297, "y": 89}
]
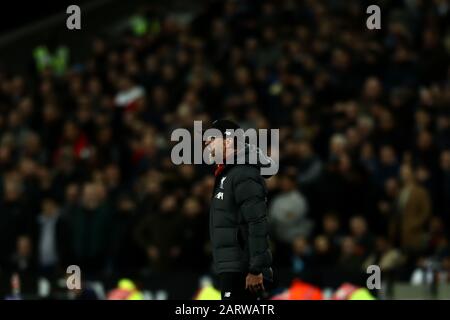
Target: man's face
[{"x": 216, "y": 148}]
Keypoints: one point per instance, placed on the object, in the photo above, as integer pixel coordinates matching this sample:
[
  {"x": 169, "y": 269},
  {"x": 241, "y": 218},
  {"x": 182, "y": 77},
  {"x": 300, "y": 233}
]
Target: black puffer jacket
[{"x": 238, "y": 221}]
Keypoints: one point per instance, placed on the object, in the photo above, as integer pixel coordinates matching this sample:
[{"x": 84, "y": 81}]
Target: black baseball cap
[{"x": 224, "y": 126}]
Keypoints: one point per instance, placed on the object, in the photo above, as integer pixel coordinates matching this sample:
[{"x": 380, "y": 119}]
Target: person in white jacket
[{"x": 288, "y": 211}]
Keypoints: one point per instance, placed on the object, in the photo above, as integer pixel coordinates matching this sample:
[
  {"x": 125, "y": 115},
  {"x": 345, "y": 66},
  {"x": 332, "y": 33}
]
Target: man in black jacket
[{"x": 238, "y": 218}]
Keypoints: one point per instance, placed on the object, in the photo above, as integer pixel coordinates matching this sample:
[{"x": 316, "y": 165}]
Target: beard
[
  {"x": 211, "y": 157},
  {"x": 215, "y": 156}
]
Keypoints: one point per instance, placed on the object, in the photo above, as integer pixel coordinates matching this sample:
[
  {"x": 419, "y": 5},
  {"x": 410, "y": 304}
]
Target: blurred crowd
[{"x": 364, "y": 119}]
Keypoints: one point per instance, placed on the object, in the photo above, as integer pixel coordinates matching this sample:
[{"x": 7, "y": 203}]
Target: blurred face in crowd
[
  {"x": 216, "y": 80},
  {"x": 351, "y": 110},
  {"x": 70, "y": 131},
  {"x": 365, "y": 125},
  {"x": 242, "y": 77},
  {"x": 125, "y": 84},
  {"x": 126, "y": 205},
  {"x": 340, "y": 59},
  {"x": 13, "y": 190},
  {"x": 430, "y": 38},
  {"x": 353, "y": 138},
  {"x": 72, "y": 193},
  {"x": 148, "y": 143},
  {"x": 95, "y": 86},
  {"x": 299, "y": 117},
  {"x": 168, "y": 72},
  {"x": 358, "y": 226},
  {"x": 84, "y": 106},
  {"x": 191, "y": 208},
  {"x": 424, "y": 140},
  {"x": 321, "y": 244},
  {"x": 338, "y": 144},
  {"x": 300, "y": 246},
  {"x": 387, "y": 155},
  {"x": 445, "y": 160},
  {"x": 443, "y": 123},
  {"x": 391, "y": 187},
  {"x": 159, "y": 96},
  {"x": 187, "y": 172},
  {"x": 101, "y": 192},
  {"x": 367, "y": 152},
  {"x": 112, "y": 174},
  {"x": 372, "y": 88},
  {"x": 304, "y": 150},
  {"x": 46, "y": 88},
  {"x": 49, "y": 207},
  {"x": 218, "y": 29},
  {"x": 32, "y": 144},
  {"x": 426, "y": 97},
  {"x": 153, "y": 187},
  {"x": 14, "y": 119},
  {"x": 269, "y": 35},
  {"x": 407, "y": 174},
  {"x": 330, "y": 224},
  {"x": 436, "y": 225},
  {"x": 104, "y": 136},
  {"x": 422, "y": 174},
  {"x": 197, "y": 189},
  {"x": 50, "y": 113},
  {"x": 208, "y": 184},
  {"x": 5, "y": 155},
  {"x": 287, "y": 182},
  {"x": 27, "y": 167},
  {"x": 182, "y": 58},
  {"x": 386, "y": 121},
  {"x": 422, "y": 119},
  {"x": 348, "y": 246},
  {"x": 345, "y": 163},
  {"x": 26, "y": 107},
  {"x": 91, "y": 199},
  {"x": 23, "y": 246},
  {"x": 381, "y": 244},
  {"x": 168, "y": 204}
]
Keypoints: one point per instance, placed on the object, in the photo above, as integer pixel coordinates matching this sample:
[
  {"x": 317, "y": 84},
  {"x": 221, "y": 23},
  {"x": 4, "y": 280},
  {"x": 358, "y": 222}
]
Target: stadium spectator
[
  {"x": 408, "y": 225},
  {"x": 331, "y": 228},
  {"x": 361, "y": 235},
  {"x": 159, "y": 235},
  {"x": 195, "y": 232},
  {"x": 288, "y": 212},
  {"x": 51, "y": 236},
  {"x": 90, "y": 229}
]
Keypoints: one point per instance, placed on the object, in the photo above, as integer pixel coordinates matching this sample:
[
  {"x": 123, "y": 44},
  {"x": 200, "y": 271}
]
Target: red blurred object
[
  {"x": 300, "y": 290},
  {"x": 344, "y": 292}
]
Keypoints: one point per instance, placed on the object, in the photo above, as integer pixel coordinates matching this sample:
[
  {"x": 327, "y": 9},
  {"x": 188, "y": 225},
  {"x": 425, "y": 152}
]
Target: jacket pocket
[{"x": 226, "y": 237}]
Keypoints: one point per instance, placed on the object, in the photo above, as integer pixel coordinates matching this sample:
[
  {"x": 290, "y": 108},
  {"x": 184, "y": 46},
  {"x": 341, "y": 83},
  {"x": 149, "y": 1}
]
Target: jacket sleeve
[{"x": 250, "y": 196}]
